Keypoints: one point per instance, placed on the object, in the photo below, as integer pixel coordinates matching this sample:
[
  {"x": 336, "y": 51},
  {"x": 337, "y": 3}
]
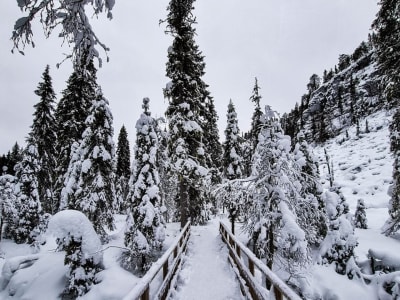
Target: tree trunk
[{"x": 184, "y": 199}]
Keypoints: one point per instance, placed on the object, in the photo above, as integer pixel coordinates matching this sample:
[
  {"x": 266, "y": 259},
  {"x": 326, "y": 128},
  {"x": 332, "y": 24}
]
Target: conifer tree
[
  {"x": 211, "y": 141},
  {"x": 123, "y": 170},
  {"x": 311, "y": 211},
  {"x": 387, "y": 44},
  {"x": 71, "y": 113},
  {"x": 44, "y": 132},
  {"x": 8, "y": 206},
  {"x": 95, "y": 193},
  {"x": 272, "y": 220},
  {"x": 233, "y": 160},
  {"x": 360, "y": 216},
  {"x": 29, "y": 207},
  {"x": 256, "y": 122},
  {"x": 144, "y": 233},
  {"x": 340, "y": 241},
  {"x": 185, "y": 96}
]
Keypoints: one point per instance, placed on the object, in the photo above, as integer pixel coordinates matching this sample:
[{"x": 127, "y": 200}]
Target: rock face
[{"x": 347, "y": 93}]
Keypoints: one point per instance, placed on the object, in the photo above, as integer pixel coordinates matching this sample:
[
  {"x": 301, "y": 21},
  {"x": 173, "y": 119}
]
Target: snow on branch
[{"x": 71, "y": 17}]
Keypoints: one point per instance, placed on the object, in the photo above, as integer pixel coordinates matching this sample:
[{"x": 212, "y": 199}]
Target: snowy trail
[{"x": 206, "y": 273}]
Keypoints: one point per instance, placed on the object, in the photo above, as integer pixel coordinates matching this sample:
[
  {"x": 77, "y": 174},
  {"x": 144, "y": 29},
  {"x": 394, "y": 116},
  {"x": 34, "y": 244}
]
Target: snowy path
[{"x": 206, "y": 273}]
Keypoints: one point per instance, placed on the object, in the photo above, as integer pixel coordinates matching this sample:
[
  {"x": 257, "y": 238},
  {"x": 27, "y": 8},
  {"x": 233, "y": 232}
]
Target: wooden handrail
[
  {"x": 169, "y": 269},
  {"x": 237, "y": 251}
]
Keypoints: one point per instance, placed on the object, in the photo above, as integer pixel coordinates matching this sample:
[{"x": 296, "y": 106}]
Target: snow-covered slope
[{"x": 363, "y": 168}]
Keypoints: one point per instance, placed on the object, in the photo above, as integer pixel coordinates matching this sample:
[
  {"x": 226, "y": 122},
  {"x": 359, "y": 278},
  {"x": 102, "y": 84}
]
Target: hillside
[{"x": 344, "y": 96}]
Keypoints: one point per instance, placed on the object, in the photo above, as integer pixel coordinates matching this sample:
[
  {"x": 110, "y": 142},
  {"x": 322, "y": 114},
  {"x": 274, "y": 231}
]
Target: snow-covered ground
[{"x": 362, "y": 167}]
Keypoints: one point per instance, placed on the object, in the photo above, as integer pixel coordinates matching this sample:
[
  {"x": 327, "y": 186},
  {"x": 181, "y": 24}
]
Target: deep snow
[{"x": 362, "y": 167}]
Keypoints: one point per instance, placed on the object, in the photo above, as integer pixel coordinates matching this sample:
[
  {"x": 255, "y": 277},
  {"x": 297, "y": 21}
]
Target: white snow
[{"x": 206, "y": 273}]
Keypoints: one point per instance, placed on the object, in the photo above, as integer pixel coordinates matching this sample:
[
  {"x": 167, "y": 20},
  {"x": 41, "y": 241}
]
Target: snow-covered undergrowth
[
  {"x": 362, "y": 168},
  {"x": 43, "y": 276}
]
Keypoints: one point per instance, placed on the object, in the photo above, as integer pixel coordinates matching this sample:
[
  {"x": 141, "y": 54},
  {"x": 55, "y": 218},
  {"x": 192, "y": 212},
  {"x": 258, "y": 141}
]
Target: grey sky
[{"x": 282, "y": 42}]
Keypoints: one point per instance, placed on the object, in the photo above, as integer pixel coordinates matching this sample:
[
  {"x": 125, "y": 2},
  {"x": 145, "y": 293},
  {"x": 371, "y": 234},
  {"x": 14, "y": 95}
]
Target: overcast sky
[{"x": 281, "y": 42}]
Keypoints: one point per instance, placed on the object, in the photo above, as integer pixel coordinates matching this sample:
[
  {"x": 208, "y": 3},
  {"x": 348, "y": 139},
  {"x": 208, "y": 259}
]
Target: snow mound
[{"x": 73, "y": 223}]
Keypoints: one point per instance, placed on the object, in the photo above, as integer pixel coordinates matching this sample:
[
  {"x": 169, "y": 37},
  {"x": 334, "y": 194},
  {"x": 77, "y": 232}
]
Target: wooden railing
[
  {"x": 169, "y": 263},
  {"x": 244, "y": 263}
]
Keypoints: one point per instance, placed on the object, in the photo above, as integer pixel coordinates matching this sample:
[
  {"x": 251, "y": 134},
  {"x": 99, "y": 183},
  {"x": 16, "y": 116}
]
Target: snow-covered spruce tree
[
  {"x": 71, "y": 17},
  {"x": 387, "y": 44},
  {"x": 44, "y": 133},
  {"x": 29, "y": 207},
  {"x": 145, "y": 230},
  {"x": 76, "y": 236},
  {"x": 255, "y": 120},
  {"x": 340, "y": 241},
  {"x": 185, "y": 97},
  {"x": 386, "y": 40},
  {"x": 95, "y": 193},
  {"x": 168, "y": 180},
  {"x": 311, "y": 212},
  {"x": 232, "y": 162},
  {"x": 271, "y": 218},
  {"x": 360, "y": 216},
  {"x": 123, "y": 170},
  {"x": 71, "y": 113},
  {"x": 211, "y": 141},
  {"x": 8, "y": 207}
]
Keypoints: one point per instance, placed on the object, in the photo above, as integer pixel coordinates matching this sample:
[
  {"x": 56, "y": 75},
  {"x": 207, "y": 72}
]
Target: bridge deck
[{"x": 206, "y": 273}]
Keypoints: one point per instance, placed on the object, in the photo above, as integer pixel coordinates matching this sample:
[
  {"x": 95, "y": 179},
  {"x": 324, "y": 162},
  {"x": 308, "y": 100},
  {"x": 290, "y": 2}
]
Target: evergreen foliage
[
  {"x": 123, "y": 170},
  {"x": 233, "y": 160},
  {"x": 71, "y": 113},
  {"x": 44, "y": 133},
  {"x": 271, "y": 219},
  {"x": 360, "y": 216},
  {"x": 145, "y": 232},
  {"x": 311, "y": 212},
  {"x": 8, "y": 207},
  {"x": 95, "y": 193},
  {"x": 29, "y": 207},
  {"x": 387, "y": 43},
  {"x": 256, "y": 119},
  {"x": 340, "y": 241},
  {"x": 185, "y": 119}
]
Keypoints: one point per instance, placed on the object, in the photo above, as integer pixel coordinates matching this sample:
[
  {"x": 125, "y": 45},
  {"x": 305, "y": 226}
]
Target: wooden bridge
[{"x": 161, "y": 279}]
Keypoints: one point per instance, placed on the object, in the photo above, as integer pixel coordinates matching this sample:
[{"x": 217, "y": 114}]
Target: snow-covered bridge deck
[{"x": 206, "y": 273}]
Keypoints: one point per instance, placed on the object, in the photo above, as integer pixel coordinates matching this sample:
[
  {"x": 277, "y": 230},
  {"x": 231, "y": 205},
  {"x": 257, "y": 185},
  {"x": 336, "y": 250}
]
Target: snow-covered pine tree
[
  {"x": 256, "y": 118},
  {"x": 233, "y": 160},
  {"x": 44, "y": 133},
  {"x": 386, "y": 40},
  {"x": 360, "y": 216},
  {"x": 71, "y": 113},
  {"x": 29, "y": 207},
  {"x": 76, "y": 236},
  {"x": 311, "y": 212},
  {"x": 271, "y": 218},
  {"x": 387, "y": 44},
  {"x": 211, "y": 141},
  {"x": 71, "y": 17},
  {"x": 185, "y": 96},
  {"x": 8, "y": 209},
  {"x": 232, "y": 163},
  {"x": 340, "y": 241},
  {"x": 95, "y": 193},
  {"x": 123, "y": 170},
  {"x": 145, "y": 229}
]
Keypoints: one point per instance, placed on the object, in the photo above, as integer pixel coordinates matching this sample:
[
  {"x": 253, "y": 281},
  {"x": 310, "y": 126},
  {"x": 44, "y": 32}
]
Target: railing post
[
  {"x": 277, "y": 293},
  {"x": 165, "y": 269},
  {"x": 251, "y": 266},
  {"x": 146, "y": 294}
]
